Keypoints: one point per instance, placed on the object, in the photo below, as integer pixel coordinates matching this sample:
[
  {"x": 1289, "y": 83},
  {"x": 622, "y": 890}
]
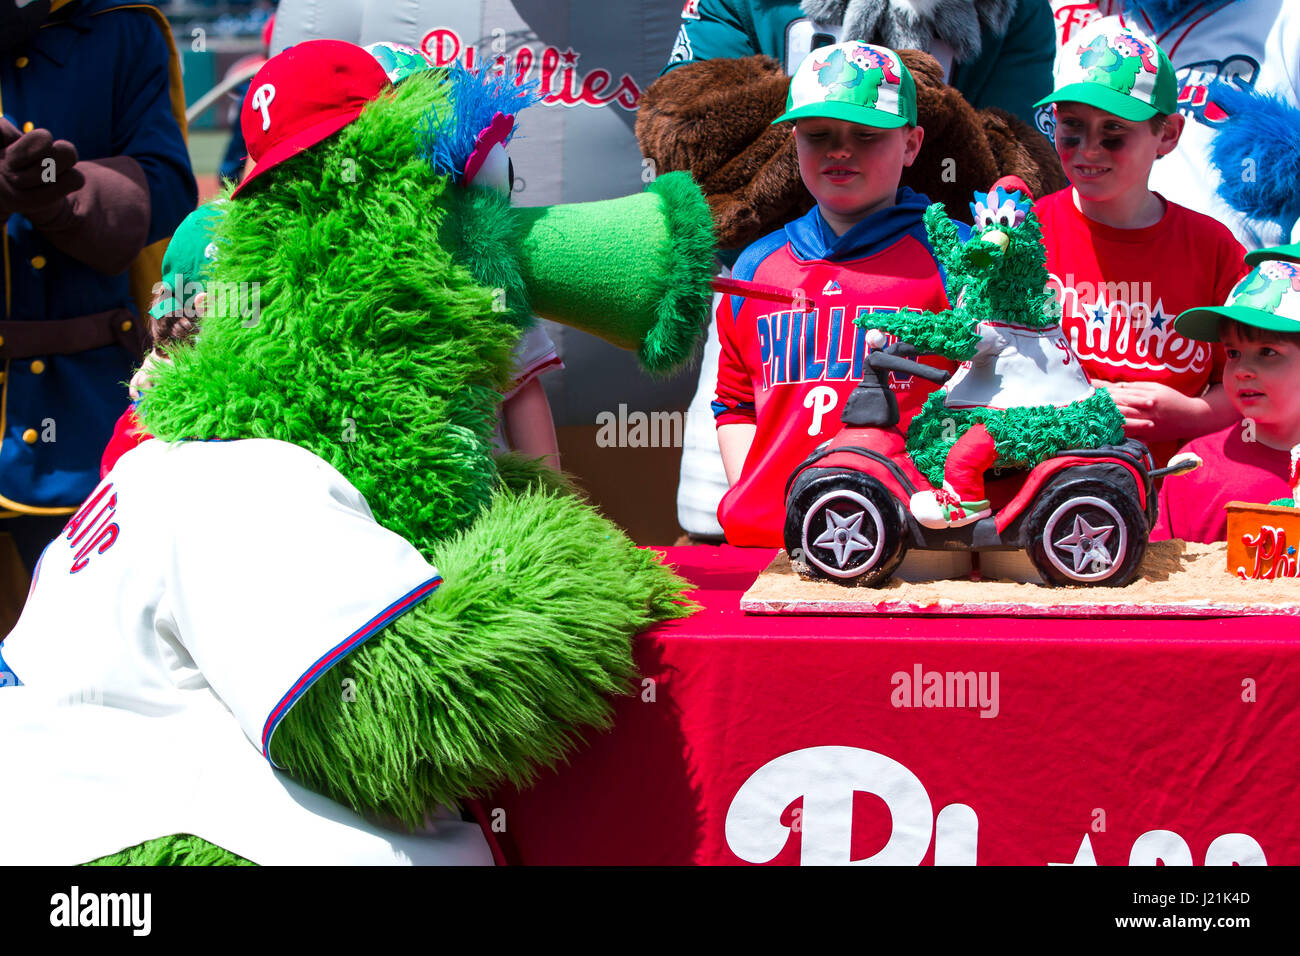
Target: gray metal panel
[{"x": 299, "y": 20}]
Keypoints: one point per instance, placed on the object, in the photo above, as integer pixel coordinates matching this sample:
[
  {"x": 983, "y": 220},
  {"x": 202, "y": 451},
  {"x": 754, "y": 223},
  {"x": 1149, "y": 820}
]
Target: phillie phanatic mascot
[{"x": 352, "y": 614}]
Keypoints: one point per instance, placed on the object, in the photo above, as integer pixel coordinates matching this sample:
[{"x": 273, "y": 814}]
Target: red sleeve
[
  {"x": 1231, "y": 267},
  {"x": 127, "y": 434},
  {"x": 735, "y": 395}
]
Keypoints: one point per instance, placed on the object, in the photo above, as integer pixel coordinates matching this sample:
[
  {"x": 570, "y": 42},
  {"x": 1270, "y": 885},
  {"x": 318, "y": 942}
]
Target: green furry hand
[
  {"x": 945, "y": 333},
  {"x": 486, "y": 680}
]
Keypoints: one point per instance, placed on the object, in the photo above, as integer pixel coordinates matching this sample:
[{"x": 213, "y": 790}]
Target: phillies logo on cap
[
  {"x": 317, "y": 87},
  {"x": 262, "y": 97}
]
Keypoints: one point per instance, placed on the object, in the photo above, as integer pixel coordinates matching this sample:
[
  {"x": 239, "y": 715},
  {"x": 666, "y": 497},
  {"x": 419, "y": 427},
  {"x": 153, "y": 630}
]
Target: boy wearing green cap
[
  {"x": 786, "y": 368},
  {"x": 1251, "y": 459},
  {"x": 173, "y": 315},
  {"x": 1123, "y": 259}
]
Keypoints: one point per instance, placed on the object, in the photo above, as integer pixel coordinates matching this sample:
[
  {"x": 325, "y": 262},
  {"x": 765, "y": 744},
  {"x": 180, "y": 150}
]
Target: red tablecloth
[{"x": 790, "y": 739}]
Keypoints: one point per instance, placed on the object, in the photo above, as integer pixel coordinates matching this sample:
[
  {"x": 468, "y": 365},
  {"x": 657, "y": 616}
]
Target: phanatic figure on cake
[
  {"x": 318, "y": 564},
  {"x": 1021, "y": 396}
]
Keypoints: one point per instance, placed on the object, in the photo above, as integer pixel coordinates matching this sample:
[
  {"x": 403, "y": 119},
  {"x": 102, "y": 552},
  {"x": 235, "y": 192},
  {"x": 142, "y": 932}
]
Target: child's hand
[
  {"x": 1156, "y": 412},
  {"x": 142, "y": 380}
]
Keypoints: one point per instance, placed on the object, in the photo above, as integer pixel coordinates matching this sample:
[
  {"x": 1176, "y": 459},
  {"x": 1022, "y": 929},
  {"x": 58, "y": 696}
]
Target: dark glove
[
  {"x": 36, "y": 170},
  {"x": 96, "y": 211}
]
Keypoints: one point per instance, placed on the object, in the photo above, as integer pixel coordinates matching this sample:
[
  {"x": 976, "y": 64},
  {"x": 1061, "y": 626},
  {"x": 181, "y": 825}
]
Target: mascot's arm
[
  {"x": 493, "y": 676},
  {"x": 947, "y": 333},
  {"x": 716, "y": 29},
  {"x": 1017, "y": 71}
]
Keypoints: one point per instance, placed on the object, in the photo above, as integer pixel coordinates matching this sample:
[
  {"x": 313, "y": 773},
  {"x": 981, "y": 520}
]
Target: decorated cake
[{"x": 1017, "y": 452}]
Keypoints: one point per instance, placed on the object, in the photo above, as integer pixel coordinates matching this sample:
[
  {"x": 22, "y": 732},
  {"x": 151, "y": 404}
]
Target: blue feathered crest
[
  {"x": 1000, "y": 207},
  {"x": 447, "y": 136},
  {"x": 1257, "y": 153}
]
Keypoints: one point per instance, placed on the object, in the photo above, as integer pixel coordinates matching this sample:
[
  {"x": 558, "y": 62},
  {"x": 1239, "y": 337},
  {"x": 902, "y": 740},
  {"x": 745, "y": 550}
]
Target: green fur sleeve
[
  {"x": 945, "y": 240},
  {"x": 943, "y": 333},
  {"x": 498, "y": 673}
]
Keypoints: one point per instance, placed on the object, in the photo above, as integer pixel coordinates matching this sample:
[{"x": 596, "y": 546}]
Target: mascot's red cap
[
  {"x": 304, "y": 95},
  {"x": 1014, "y": 184}
]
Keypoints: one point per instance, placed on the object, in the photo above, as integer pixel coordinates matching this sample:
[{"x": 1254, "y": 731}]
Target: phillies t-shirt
[
  {"x": 1234, "y": 469},
  {"x": 1121, "y": 289},
  {"x": 788, "y": 370},
  {"x": 160, "y": 648}
]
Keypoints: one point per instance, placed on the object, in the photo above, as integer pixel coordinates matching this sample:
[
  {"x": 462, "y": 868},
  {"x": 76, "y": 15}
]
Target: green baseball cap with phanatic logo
[
  {"x": 1121, "y": 71},
  {"x": 1267, "y": 298},
  {"x": 189, "y": 256},
  {"x": 1289, "y": 253},
  {"x": 855, "y": 82}
]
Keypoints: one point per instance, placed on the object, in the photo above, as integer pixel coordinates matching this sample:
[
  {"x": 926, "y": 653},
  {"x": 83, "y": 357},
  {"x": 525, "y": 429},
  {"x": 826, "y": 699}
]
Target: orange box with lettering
[{"x": 1263, "y": 540}]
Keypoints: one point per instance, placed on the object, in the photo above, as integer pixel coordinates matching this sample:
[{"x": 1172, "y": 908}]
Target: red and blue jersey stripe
[{"x": 338, "y": 652}]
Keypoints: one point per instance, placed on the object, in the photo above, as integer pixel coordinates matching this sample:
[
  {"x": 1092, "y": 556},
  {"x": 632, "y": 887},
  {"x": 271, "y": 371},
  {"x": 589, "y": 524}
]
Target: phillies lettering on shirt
[
  {"x": 789, "y": 370},
  {"x": 98, "y": 533},
  {"x": 818, "y": 345},
  {"x": 1127, "y": 330},
  {"x": 1120, "y": 290},
  {"x": 1071, "y": 17}
]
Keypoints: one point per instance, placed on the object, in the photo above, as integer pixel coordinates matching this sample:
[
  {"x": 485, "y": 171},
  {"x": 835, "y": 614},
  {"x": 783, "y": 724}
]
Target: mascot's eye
[
  {"x": 496, "y": 172},
  {"x": 1004, "y": 220}
]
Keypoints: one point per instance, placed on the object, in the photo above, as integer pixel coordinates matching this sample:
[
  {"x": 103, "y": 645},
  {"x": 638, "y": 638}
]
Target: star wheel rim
[
  {"x": 1086, "y": 539},
  {"x": 857, "y": 527}
]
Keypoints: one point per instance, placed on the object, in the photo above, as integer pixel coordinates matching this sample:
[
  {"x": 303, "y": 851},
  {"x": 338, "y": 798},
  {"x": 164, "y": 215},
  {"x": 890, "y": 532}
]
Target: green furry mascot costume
[
  {"x": 1021, "y": 396},
  {"x": 390, "y": 297}
]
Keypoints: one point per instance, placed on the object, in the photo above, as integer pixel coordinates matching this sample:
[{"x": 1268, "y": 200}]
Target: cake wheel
[
  {"x": 1086, "y": 532},
  {"x": 847, "y": 528}
]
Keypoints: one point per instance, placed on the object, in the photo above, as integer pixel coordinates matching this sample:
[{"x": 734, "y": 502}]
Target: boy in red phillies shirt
[
  {"x": 784, "y": 372},
  {"x": 1253, "y": 458},
  {"x": 1124, "y": 260}
]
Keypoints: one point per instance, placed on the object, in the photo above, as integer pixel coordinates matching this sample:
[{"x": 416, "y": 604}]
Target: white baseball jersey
[
  {"x": 161, "y": 646},
  {"x": 1252, "y": 42},
  {"x": 1018, "y": 366}
]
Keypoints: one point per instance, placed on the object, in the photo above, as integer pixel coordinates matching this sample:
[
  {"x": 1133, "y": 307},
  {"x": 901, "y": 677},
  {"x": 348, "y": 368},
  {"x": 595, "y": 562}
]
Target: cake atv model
[{"x": 1083, "y": 515}]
